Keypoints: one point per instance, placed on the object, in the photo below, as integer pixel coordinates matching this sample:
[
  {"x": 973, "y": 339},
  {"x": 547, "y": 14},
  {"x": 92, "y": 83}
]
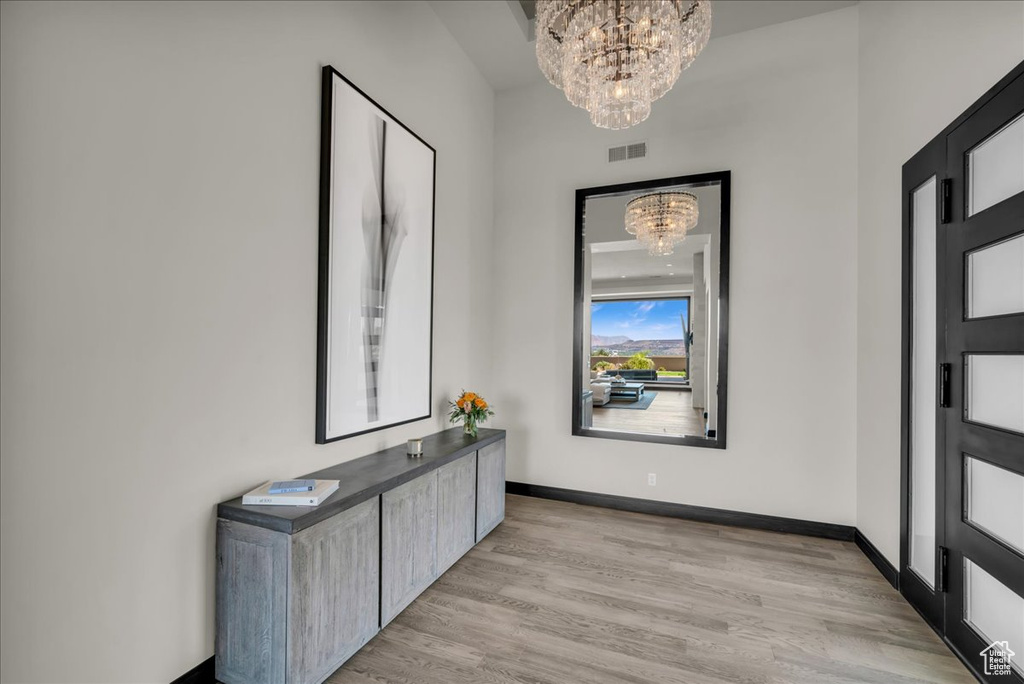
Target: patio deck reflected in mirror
[{"x": 650, "y": 347}]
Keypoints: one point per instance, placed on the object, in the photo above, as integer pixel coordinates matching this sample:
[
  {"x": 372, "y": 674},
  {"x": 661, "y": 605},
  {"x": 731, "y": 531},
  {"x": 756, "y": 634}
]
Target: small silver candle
[{"x": 414, "y": 447}]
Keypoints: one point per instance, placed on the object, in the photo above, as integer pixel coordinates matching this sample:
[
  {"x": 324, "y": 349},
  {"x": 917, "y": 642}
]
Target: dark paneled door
[
  {"x": 922, "y": 529},
  {"x": 983, "y": 274},
  {"x": 962, "y": 550}
]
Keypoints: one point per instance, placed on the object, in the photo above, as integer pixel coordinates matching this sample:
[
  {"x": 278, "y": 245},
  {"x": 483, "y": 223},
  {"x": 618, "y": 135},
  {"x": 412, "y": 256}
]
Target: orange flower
[
  {"x": 480, "y": 403},
  {"x": 469, "y": 396},
  {"x": 461, "y": 403}
]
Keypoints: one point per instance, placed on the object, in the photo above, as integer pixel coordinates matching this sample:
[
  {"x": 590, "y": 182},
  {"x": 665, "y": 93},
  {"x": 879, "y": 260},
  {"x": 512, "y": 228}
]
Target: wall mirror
[{"x": 650, "y": 347}]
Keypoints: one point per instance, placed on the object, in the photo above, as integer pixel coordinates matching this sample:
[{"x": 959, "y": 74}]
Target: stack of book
[{"x": 291, "y": 493}]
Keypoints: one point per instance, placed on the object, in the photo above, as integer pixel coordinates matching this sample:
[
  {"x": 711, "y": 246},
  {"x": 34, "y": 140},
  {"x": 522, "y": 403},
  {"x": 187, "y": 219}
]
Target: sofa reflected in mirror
[
  {"x": 651, "y": 315},
  {"x": 601, "y": 387}
]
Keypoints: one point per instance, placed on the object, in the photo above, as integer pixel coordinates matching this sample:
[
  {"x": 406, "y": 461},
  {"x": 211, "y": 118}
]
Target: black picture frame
[
  {"x": 721, "y": 178},
  {"x": 329, "y": 76}
]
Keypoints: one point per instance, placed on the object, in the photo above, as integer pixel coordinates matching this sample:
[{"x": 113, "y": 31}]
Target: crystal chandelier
[
  {"x": 615, "y": 57},
  {"x": 661, "y": 220}
]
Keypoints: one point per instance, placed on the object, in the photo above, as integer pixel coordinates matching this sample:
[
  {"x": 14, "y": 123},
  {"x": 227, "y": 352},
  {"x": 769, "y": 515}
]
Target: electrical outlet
[{"x": 652, "y": 479}]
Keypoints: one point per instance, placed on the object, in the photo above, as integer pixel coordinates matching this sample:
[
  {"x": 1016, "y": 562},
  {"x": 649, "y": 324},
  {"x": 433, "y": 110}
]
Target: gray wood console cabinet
[{"x": 300, "y": 589}]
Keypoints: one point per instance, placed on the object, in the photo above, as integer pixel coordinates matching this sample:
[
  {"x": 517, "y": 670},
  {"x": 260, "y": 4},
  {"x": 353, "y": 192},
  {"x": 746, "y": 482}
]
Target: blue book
[{"x": 287, "y": 486}]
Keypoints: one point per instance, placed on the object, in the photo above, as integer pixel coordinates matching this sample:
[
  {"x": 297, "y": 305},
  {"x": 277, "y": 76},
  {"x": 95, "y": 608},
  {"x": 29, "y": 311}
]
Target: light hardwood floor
[
  {"x": 567, "y": 593},
  {"x": 671, "y": 413}
]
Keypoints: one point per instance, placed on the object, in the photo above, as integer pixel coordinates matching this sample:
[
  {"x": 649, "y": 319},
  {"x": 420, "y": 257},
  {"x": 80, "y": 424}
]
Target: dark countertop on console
[{"x": 361, "y": 479}]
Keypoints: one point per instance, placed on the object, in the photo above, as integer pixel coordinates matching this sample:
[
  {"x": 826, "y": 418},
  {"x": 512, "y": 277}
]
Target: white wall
[
  {"x": 778, "y": 107},
  {"x": 921, "y": 65},
  {"x": 159, "y": 265}
]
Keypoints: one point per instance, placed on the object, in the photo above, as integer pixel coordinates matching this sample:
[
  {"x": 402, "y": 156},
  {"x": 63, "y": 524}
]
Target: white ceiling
[
  {"x": 616, "y": 255},
  {"x": 495, "y": 34},
  {"x": 636, "y": 263}
]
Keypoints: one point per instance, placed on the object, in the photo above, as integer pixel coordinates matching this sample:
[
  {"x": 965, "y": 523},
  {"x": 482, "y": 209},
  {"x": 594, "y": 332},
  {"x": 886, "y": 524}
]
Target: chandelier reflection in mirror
[
  {"x": 615, "y": 57},
  {"x": 661, "y": 220}
]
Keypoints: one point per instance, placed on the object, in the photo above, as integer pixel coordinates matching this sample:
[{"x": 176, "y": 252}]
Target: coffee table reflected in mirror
[{"x": 627, "y": 390}]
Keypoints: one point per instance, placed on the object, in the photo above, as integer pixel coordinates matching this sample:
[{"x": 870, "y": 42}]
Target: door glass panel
[
  {"x": 994, "y": 501},
  {"x": 923, "y": 381},
  {"x": 995, "y": 279},
  {"x": 995, "y": 390},
  {"x": 994, "y": 611},
  {"x": 995, "y": 168}
]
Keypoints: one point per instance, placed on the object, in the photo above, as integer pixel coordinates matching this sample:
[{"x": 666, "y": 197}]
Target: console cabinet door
[
  {"x": 490, "y": 493},
  {"x": 456, "y": 510},
  {"x": 335, "y": 575},
  {"x": 408, "y": 543}
]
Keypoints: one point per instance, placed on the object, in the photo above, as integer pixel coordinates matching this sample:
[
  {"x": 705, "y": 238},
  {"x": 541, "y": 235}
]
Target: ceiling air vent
[{"x": 625, "y": 152}]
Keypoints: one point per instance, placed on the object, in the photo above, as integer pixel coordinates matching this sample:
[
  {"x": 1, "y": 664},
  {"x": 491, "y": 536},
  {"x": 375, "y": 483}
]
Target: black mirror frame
[{"x": 722, "y": 178}]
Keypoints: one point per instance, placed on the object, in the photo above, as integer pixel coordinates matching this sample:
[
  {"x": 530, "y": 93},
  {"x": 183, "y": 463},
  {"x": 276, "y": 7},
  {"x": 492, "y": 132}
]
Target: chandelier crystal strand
[
  {"x": 615, "y": 57},
  {"x": 661, "y": 220}
]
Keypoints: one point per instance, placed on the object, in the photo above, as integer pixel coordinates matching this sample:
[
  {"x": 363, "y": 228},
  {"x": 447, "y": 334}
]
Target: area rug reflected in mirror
[{"x": 644, "y": 402}]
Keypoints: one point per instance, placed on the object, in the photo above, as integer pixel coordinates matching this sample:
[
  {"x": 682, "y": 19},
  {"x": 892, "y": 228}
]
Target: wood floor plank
[{"x": 563, "y": 593}]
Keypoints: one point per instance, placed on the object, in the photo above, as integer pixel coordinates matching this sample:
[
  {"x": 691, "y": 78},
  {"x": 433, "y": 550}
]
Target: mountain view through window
[{"x": 655, "y": 326}]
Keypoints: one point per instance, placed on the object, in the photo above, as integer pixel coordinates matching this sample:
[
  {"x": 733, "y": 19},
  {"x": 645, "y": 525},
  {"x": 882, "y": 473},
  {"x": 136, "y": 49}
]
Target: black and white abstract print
[{"x": 376, "y": 330}]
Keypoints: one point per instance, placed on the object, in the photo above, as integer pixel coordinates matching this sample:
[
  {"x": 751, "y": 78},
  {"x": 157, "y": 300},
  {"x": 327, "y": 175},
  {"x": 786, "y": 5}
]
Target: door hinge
[
  {"x": 946, "y": 201},
  {"x": 944, "y": 372},
  {"x": 942, "y": 570}
]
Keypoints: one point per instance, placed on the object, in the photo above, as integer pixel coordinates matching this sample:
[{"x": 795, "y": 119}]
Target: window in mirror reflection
[
  {"x": 643, "y": 341},
  {"x": 650, "y": 340}
]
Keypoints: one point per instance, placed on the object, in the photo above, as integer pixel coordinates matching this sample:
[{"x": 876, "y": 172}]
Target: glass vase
[{"x": 469, "y": 426}]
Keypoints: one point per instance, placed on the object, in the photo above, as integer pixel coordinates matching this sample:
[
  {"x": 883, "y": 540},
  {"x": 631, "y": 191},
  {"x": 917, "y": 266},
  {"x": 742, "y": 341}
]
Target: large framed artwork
[{"x": 376, "y": 270}]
